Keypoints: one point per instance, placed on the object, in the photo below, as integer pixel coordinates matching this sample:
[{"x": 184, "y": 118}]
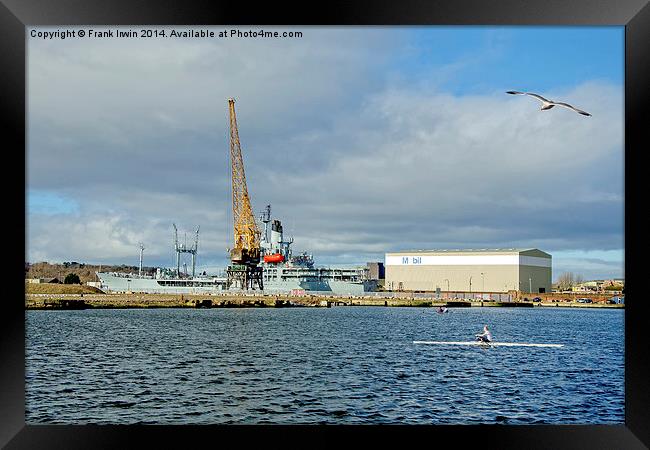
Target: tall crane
[{"x": 244, "y": 270}]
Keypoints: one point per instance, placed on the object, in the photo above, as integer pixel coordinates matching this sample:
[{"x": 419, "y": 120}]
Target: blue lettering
[{"x": 405, "y": 260}]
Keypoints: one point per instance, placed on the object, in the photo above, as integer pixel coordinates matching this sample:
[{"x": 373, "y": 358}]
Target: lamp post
[
  {"x": 447, "y": 284},
  {"x": 482, "y": 282},
  {"x": 530, "y": 285},
  {"x": 470, "y": 285}
]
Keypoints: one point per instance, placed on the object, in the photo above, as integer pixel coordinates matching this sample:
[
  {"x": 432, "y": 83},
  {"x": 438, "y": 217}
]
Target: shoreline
[{"x": 143, "y": 301}]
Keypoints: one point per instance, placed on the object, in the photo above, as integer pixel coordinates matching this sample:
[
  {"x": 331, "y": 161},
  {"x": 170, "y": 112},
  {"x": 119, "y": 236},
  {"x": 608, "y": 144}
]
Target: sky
[{"x": 364, "y": 140}]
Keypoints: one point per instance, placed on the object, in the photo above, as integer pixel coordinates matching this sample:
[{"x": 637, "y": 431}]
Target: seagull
[{"x": 548, "y": 104}]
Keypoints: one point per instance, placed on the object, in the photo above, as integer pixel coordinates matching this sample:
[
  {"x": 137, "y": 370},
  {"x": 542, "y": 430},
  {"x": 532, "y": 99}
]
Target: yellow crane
[{"x": 245, "y": 254}]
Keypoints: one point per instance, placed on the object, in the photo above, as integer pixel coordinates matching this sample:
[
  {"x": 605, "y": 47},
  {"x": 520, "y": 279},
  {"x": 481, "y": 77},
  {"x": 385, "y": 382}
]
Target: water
[{"x": 344, "y": 365}]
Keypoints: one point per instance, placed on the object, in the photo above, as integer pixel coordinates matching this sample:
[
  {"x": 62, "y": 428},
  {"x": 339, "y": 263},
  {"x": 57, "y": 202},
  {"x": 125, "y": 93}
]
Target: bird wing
[
  {"x": 538, "y": 97},
  {"x": 528, "y": 93},
  {"x": 566, "y": 105}
]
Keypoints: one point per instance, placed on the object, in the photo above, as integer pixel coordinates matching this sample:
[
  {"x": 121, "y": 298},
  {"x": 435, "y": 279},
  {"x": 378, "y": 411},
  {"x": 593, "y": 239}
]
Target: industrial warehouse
[{"x": 472, "y": 270}]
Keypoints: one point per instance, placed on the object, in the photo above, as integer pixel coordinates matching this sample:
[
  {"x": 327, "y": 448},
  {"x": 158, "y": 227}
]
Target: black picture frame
[{"x": 16, "y": 15}]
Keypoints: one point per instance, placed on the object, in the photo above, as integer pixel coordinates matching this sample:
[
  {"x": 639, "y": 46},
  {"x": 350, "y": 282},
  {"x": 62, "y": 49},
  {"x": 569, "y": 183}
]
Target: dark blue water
[{"x": 323, "y": 365}]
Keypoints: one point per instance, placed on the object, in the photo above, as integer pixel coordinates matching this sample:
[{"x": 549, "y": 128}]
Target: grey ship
[
  {"x": 283, "y": 273},
  {"x": 164, "y": 282}
]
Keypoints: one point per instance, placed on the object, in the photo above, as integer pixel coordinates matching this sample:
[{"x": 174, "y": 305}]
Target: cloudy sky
[{"x": 364, "y": 140}]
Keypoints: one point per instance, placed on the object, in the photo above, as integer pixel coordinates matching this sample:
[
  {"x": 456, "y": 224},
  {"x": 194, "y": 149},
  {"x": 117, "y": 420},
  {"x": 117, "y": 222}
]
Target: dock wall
[{"x": 87, "y": 301}]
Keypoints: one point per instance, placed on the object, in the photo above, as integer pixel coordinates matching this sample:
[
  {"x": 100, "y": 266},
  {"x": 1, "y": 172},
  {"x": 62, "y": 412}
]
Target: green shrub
[{"x": 72, "y": 278}]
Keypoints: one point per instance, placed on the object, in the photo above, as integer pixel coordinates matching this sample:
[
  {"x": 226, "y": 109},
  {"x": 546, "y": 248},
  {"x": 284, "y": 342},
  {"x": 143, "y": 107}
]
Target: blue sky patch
[{"x": 50, "y": 203}]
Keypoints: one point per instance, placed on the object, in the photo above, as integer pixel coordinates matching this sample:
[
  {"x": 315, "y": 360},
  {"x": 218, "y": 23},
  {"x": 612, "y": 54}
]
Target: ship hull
[
  {"x": 117, "y": 283},
  {"x": 322, "y": 284}
]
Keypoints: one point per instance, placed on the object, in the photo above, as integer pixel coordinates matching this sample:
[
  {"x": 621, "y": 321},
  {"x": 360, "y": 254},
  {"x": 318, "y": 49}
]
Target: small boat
[{"x": 491, "y": 344}]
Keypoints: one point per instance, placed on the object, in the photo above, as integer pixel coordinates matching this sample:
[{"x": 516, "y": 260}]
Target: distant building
[
  {"x": 469, "y": 270},
  {"x": 376, "y": 270},
  {"x": 598, "y": 285},
  {"x": 614, "y": 284},
  {"x": 42, "y": 280}
]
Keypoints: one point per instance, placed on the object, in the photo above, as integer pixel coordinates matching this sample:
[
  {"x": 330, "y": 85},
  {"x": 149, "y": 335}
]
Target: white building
[{"x": 471, "y": 270}]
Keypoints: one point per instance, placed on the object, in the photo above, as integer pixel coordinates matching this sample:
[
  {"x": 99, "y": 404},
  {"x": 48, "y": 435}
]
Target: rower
[{"x": 486, "y": 336}]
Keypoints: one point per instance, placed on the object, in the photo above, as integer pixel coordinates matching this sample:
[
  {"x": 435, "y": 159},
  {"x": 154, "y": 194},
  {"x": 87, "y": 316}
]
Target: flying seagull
[{"x": 548, "y": 104}]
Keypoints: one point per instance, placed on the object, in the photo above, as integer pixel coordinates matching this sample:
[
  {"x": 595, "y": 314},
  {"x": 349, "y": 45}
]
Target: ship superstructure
[{"x": 283, "y": 271}]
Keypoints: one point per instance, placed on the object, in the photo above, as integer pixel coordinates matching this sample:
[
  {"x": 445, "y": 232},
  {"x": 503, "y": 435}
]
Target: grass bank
[{"x": 55, "y": 288}]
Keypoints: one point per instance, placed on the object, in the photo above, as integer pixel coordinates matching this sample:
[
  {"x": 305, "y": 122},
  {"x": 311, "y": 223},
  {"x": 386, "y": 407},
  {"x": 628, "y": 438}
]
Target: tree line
[{"x": 567, "y": 280}]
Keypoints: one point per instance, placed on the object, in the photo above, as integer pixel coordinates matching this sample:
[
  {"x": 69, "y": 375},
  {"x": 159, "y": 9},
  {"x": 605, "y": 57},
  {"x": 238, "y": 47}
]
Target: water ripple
[{"x": 321, "y": 365}]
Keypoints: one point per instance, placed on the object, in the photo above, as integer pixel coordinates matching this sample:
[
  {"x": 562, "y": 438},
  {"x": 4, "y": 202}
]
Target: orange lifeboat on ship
[{"x": 275, "y": 258}]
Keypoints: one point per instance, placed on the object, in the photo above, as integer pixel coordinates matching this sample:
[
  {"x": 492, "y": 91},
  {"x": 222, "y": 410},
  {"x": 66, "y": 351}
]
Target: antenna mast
[
  {"x": 177, "y": 249},
  {"x": 194, "y": 249},
  {"x": 141, "y": 251}
]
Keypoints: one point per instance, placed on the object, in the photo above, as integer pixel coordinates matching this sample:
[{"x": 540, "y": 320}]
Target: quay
[{"x": 138, "y": 300}]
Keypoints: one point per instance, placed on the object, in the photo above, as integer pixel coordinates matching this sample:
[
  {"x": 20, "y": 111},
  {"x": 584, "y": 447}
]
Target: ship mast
[
  {"x": 265, "y": 217},
  {"x": 183, "y": 248}
]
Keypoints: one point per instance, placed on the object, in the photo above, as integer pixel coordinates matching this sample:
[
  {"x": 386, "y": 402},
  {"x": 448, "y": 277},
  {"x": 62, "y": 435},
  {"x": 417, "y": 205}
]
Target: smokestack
[{"x": 276, "y": 232}]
